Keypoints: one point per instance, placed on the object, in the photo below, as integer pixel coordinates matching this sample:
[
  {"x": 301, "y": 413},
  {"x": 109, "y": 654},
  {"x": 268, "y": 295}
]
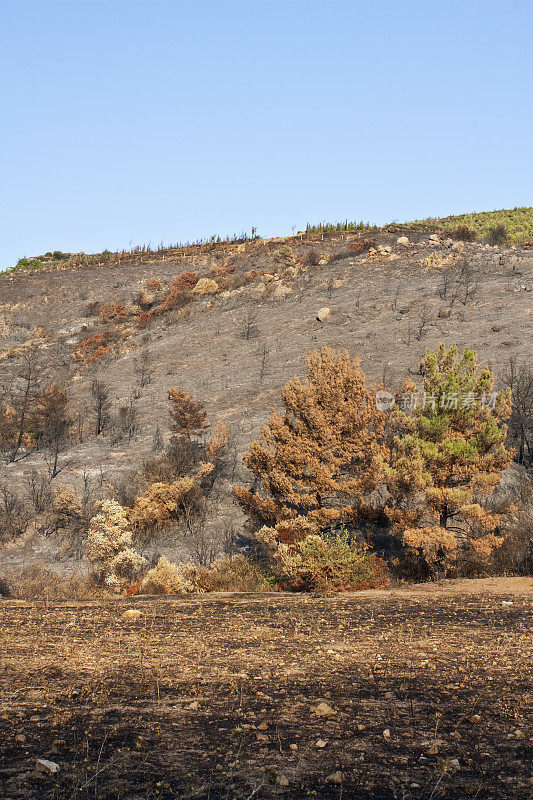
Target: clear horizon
[{"x": 128, "y": 123}]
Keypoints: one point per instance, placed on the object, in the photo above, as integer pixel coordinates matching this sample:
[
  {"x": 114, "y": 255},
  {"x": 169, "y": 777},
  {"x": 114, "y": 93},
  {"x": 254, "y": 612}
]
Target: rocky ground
[{"x": 420, "y": 692}]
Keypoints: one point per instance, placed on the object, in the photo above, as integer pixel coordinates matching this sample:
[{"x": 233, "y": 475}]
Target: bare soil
[{"x": 212, "y": 696}]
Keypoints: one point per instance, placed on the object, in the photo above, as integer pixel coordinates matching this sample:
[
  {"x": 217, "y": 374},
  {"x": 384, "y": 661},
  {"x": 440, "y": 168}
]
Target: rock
[
  {"x": 262, "y": 727},
  {"x": 390, "y": 696},
  {"x": 323, "y": 710},
  {"x": 281, "y": 291},
  {"x": 293, "y": 747},
  {"x": 20, "y": 738},
  {"x": 335, "y": 777},
  {"x": 403, "y": 240},
  {"x": 132, "y": 613},
  {"x": 386, "y": 733},
  {"x": 194, "y": 706},
  {"x": 320, "y": 743},
  {"x": 434, "y": 237},
  {"x": 283, "y": 781},
  {"x": 496, "y": 328},
  {"x": 455, "y": 763},
  {"x": 46, "y": 767},
  {"x": 337, "y": 283},
  {"x": 323, "y": 314},
  {"x": 444, "y": 313},
  {"x": 322, "y": 262},
  {"x": 476, "y": 719},
  {"x": 458, "y": 246}
]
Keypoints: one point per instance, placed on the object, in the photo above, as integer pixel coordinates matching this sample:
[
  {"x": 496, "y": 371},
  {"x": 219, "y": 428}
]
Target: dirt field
[{"x": 409, "y": 693}]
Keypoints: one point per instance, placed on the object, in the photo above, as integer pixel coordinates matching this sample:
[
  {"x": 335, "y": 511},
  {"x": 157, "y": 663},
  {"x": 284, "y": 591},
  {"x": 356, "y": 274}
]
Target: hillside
[
  {"x": 517, "y": 224},
  {"x": 124, "y": 322}
]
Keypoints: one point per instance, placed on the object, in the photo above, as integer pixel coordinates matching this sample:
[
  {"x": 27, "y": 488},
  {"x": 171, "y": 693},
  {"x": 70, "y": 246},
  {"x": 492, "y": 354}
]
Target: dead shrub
[
  {"x": 312, "y": 258},
  {"x": 232, "y": 574},
  {"x": 113, "y": 313},
  {"x": 206, "y": 286},
  {"x": 222, "y": 272},
  {"x": 93, "y": 348},
  {"x": 167, "y": 578},
  {"x": 498, "y": 235},
  {"x": 463, "y": 233},
  {"x": 185, "y": 281},
  {"x": 37, "y": 582},
  {"x": 175, "y": 299},
  {"x": 143, "y": 320}
]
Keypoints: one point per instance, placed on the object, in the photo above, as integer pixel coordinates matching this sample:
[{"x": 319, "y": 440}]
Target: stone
[
  {"x": 194, "y": 706},
  {"x": 320, "y": 743},
  {"x": 283, "y": 780},
  {"x": 403, "y": 240},
  {"x": 337, "y": 283},
  {"x": 132, "y": 613},
  {"x": 323, "y": 710},
  {"x": 323, "y": 314},
  {"x": 434, "y": 237},
  {"x": 386, "y": 733},
  {"x": 335, "y": 777},
  {"x": 46, "y": 767},
  {"x": 20, "y": 738},
  {"x": 444, "y": 313},
  {"x": 281, "y": 291}
]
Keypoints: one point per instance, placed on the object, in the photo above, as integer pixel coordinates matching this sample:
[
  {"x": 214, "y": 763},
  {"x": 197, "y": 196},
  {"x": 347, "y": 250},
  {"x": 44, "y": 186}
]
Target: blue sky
[{"x": 158, "y": 120}]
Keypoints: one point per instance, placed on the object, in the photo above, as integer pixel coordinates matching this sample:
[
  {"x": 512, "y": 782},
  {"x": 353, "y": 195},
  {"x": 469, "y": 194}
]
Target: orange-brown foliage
[
  {"x": 185, "y": 280},
  {"x": 113, "y": 313},
  {"x": 144, "y": 319}
]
